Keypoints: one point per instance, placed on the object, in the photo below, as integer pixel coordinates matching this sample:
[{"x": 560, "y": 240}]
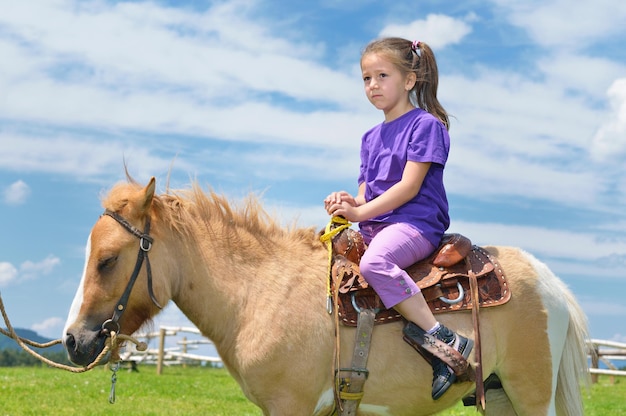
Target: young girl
[{"x": 401, "y": 205}]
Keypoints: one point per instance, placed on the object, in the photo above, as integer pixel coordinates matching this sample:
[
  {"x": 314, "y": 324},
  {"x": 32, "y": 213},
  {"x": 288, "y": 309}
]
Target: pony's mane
[{"x": 184, "y": 209}]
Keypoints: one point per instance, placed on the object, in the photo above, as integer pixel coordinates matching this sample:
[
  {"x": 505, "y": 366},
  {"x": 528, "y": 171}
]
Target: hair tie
[{"x": 415, "y": 45}]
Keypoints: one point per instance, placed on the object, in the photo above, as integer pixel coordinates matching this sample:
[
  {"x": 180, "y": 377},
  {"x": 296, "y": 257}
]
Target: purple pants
[{"x": 392, "y": 248}]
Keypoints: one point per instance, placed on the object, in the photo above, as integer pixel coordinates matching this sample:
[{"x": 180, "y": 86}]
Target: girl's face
[{"x": 385, "y": 86}]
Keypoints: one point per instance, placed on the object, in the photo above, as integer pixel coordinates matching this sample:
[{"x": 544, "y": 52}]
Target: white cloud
[
  {"x": 564, "y": 23},
  {"x": 609, "y": 143},
  {"x": 31, "y": 270},
  {"x": 206, "y": 55},
  {"x": 82, "y": 157},
  {"x": 541, "y": 241},
  {"x": 50, "y": 327},
  {"x": 8, "y": 273},
  {"x": 16, "y": 193},
  {"x": 518, "y": 137},
  {"x": 437, "y": 30},
  {"x": 197, "y": 84},
  {"x": 574, "y": 71}
]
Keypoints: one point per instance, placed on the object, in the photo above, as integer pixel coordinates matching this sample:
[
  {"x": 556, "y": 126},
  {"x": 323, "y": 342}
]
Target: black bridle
[{"x": 145, "y": 244}]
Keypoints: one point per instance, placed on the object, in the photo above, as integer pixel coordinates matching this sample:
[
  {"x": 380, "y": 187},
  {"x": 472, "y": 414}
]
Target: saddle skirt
[{"x": 443, "y": 278}]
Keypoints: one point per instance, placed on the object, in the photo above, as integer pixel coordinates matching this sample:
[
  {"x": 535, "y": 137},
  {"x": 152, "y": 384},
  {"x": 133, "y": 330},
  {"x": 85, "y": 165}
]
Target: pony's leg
[
  {"x": 526, "y": 373},
  {"x": 498, "y": 403},
  {"x": 530, "y": 328}
]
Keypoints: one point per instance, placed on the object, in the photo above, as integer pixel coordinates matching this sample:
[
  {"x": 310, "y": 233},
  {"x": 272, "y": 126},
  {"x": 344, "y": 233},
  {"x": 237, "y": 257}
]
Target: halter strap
[{"x": 145, "y": 244}]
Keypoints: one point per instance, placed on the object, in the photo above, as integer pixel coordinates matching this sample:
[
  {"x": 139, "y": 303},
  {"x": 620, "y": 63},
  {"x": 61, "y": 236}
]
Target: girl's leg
[
  {"x": 393, "y": 249},
  {"x": 415, "y": 309}
]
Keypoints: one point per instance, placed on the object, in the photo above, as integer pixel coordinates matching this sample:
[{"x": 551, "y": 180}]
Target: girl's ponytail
[{"x": 425, "y": 89}]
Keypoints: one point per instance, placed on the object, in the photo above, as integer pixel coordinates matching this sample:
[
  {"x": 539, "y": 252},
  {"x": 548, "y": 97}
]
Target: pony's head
[{"x": 118, "y": 289}]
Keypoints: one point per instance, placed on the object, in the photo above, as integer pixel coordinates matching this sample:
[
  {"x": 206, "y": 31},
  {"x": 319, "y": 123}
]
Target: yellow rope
[
  {"x": 334, "y": 227},
  {"x": 344, "y": 395},
  {"x": 327, "y": 238}
]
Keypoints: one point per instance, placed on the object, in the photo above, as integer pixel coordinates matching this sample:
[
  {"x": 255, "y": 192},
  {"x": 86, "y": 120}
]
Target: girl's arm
[
  {"x": 399, "y": 194},
  {"x": 360, "y": 197}
]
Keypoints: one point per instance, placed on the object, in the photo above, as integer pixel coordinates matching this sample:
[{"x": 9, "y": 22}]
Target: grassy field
[{"x": 179, "y": 391}]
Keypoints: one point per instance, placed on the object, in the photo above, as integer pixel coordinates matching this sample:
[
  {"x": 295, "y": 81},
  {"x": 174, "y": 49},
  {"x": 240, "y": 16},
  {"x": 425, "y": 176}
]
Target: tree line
[{"x": 11, "y": 357}]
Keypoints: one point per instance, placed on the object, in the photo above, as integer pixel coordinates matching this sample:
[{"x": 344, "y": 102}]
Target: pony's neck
[
  {"x": 230, "y": 290},
  {"x": 234, "y": 270},
  {"x": 209, "y": 293}
]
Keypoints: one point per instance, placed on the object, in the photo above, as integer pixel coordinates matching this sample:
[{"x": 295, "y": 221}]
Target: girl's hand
[
  {"x": 346, "y": 210},
  {"x": 337, "y": 198}
]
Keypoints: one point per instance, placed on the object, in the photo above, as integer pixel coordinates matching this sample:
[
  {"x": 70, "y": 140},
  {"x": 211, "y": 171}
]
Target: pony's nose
[{"x": 83, "y": 346}]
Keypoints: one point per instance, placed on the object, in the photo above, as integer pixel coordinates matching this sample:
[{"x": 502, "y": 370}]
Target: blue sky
[{"x": 266, "y": 97}]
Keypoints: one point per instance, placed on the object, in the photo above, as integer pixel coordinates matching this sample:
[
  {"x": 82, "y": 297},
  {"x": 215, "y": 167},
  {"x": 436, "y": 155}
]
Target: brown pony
[{"x": 258, "y": 291}]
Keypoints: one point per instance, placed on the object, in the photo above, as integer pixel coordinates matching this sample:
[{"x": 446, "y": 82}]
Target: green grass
[
  {"x": 602, "y": 399},
  {"x": 182, "y": 391},
  {"x": 178, "y": 391}
]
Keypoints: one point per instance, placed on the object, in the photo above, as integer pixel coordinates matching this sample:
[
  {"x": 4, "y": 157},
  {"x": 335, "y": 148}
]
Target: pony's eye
[{"x": 106, "y": 263}]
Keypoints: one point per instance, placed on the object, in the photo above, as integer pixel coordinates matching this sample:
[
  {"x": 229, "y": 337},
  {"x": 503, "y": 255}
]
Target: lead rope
[
  {"x": 340, "y": 224},
  {"x": 334, "y": 227},
  {"x": 111, "y": 345}
]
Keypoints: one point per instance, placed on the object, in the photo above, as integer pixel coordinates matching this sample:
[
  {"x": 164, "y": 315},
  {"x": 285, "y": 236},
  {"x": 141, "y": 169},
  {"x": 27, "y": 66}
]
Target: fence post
[
  {"x": 595, "y": 361},
  {"x": 161, "y": 351}
]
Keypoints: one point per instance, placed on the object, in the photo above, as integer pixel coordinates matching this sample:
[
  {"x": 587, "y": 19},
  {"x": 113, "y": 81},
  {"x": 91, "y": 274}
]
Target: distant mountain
[{"x": 6, "y": 342}]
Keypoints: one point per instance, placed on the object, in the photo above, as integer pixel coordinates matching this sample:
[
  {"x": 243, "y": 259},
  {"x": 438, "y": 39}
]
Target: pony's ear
[{"x": 148, "y": 194}]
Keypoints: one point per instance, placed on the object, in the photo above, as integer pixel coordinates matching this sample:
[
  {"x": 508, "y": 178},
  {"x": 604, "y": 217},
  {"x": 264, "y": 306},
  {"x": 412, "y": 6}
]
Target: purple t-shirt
[{"x": 416, "y": 136}]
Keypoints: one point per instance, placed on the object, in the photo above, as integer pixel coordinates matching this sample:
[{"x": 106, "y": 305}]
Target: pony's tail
[{"x": 573, "y": 368}]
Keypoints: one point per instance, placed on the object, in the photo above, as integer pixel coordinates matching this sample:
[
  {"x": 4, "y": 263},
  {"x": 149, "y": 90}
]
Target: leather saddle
[{"x": 443, "y": 278}]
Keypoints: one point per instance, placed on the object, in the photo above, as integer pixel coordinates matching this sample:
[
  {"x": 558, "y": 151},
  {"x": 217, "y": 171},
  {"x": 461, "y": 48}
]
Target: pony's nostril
[{"x": 70, "y": 342}]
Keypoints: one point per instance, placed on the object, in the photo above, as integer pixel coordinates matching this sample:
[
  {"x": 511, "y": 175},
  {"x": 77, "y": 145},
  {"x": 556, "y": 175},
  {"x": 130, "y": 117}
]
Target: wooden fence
[
  {"x": 173, "y": 355},
  {"x": 606, "y": 352}
]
